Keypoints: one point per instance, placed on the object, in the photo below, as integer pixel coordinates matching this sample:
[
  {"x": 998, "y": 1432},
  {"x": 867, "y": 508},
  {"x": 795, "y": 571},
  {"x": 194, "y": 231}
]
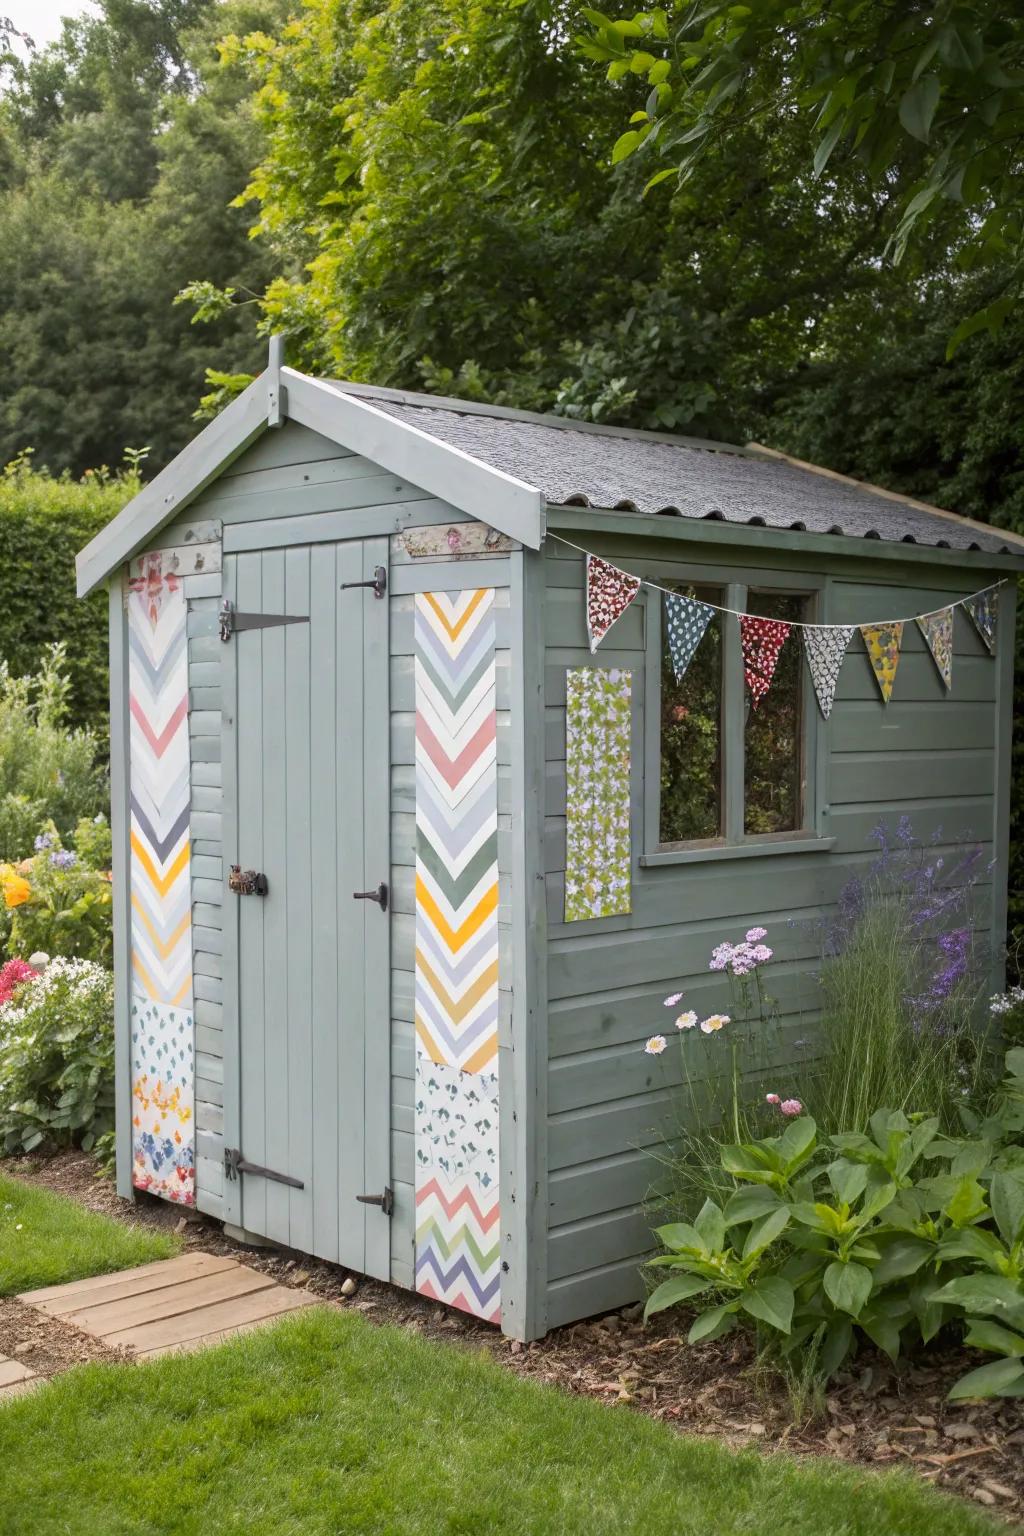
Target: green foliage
[
  {"x": 48, "y": 771},
  {"x": 886, "y": 1235},
  {"x": 57, "y": 1058},
  {"x": 63, "y": 896},
  {"x": 126, "y": 144},
  {"x": 923, "y": 100}
]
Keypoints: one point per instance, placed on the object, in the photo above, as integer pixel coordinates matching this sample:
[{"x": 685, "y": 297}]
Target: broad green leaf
[
  {"x": 967, "y": 1204},
  {"x": 764, "y": 1232},
  {"x": 985, "y": 1334},
  {"x": 992, "y": 1380},
  {"x": 836, "y": 1345},
  {"x": 1006, "y": 1196},
  {"x": 823, "y": 153},
  {"x": 884, "y": 1331},
  {"x": 660, "y": 176},
  {"x": 710, "y": 1227},
  {"x": 900, "y": 1257},
  {"x": 917, "y": 107},
  {"x": 712, "y": 1323},
  {"x": 797, "y": 1142},
  {"x": 770, "y": 1301},
  {"x": 670, "y": 1292},
  {"x": 659, "y": 71},
  {"x": 847, "y": 1286},
  {"x": 750, "y": 1205},
  {"x": 680, "y": 1237},
  {"x": 847, "y": 1179},
  {"x": 624, "y": 145},
  {"x": 982, "y": 1293},
  {"x": 988, "y": 319}
]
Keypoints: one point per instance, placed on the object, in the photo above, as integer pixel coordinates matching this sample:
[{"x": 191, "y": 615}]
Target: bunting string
[{"x": 982, "y": 613}]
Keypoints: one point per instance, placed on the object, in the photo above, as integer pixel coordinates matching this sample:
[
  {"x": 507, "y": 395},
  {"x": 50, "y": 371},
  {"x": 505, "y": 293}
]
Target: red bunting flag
[
  {"x": 609, "y": 593},
  {"x": 761, "y": 641}
]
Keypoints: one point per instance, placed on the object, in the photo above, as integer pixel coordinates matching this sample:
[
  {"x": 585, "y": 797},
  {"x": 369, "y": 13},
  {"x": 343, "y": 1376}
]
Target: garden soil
[{"x": 873, "y": 1413}]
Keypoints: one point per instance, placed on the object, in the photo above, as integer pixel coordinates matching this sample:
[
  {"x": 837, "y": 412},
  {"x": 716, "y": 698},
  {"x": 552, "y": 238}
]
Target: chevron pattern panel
[
  {"x": 161, "y": 892},
  {"x": 456, "y": 993}
]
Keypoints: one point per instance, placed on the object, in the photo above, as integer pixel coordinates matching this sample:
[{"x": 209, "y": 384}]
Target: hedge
[{"x": 44, "y": 522}]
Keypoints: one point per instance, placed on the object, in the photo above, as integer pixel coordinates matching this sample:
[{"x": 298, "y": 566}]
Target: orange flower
[{"x": 16, "y": 890}]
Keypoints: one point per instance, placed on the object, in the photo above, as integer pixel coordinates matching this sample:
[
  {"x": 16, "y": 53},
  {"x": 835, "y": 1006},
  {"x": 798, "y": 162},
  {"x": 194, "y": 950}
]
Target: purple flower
[
  {"x": 63, "y": 858},
  {"x": 44, "y": 841}
]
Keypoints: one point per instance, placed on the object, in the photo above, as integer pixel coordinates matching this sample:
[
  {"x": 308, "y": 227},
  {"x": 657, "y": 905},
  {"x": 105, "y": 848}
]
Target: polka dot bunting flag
[{"x": 686, "y": 619}]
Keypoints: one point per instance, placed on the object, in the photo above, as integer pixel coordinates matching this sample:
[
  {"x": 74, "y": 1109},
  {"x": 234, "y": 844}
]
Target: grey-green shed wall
[{"x": 941, "y": 761}]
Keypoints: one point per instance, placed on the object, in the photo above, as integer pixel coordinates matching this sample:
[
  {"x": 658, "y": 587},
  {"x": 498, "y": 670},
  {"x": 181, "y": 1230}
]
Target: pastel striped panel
[
  {"x": 161, "y": 893},
  {"x": 456, "y": 992}
]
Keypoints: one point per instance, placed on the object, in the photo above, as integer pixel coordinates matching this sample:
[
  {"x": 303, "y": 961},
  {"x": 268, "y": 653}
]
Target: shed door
[{"x": 307, "y": 786}]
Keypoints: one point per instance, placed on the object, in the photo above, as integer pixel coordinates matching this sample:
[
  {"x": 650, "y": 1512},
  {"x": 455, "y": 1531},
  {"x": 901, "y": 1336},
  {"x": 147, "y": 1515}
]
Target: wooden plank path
[
  {"x": 14, "y": 1377},
  {"x": 172, "y": 1305}
]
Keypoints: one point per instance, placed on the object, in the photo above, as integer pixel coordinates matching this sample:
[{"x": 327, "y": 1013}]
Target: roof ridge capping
[{"x": 961, "y": 521}]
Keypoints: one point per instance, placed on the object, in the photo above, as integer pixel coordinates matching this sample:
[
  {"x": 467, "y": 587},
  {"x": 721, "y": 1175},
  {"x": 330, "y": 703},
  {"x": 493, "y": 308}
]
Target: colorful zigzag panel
[
  {"x": 456, "y": 995},
  {"x": 161, "y": 893}
]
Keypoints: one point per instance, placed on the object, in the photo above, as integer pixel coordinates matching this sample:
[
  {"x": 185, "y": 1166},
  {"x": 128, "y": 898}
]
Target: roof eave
[{"x": 716, "y": 530}]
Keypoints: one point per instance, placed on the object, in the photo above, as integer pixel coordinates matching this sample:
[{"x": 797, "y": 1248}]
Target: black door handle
[{"x": 380, "y": 896}]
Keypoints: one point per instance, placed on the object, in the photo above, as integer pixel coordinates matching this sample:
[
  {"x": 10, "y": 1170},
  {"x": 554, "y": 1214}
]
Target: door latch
[
  {"x": 379, "y": 582},
  {"x": 235, "y": 1163},
  {"x": 380, "y": 896},
  {"x": 386, "y": 1201},
  {"x": 247, "y": 882}
]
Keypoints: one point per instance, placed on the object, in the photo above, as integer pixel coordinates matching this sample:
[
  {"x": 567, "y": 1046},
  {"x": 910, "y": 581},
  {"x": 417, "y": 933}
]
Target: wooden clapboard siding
[{"x": 611, "y": 1108}]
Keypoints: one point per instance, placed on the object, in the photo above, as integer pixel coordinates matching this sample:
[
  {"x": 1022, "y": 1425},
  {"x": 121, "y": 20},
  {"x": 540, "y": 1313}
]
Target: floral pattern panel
[
  {"x": 597, "y": 832},
  {"x": 163, "y": 1158}
]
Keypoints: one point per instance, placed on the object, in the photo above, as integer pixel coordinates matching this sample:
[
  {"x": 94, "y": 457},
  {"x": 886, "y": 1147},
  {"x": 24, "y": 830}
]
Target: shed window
[{"x": 721, "y": 775}]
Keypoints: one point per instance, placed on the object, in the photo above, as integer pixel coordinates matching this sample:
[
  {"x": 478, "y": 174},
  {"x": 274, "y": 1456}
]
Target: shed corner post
[
  {"x": 524, "y": 1055},
  {"x": 1005, "y": 658},
  {"x": 120, "y": 827}
]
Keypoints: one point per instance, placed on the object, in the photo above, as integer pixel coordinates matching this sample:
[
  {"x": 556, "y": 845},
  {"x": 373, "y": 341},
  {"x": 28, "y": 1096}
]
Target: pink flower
[
  {"x": 655, "y": 1045},
  {"x": 12, "y": 974},
  {"x": 791, "y": 1107},
  {"x": 753, "y": 934},
  {"x": 714, "y": 1022},
  {"x": 686, "y": 1020},
  {"x": 676, "y": 997},
  {"x": 772, "y": 1098},
  {"x": 761, "y": 953}
]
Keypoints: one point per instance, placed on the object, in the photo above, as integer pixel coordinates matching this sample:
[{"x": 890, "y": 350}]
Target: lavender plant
[{"x": 900, "y": 988}]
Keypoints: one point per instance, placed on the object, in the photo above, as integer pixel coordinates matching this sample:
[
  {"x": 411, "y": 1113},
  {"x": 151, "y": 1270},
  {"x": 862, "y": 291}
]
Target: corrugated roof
[{"x": 583, "y": 464}]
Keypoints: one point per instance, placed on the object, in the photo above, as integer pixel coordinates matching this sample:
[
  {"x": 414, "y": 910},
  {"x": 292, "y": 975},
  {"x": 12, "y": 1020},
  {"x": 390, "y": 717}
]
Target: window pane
[
  {"x": 691, "y": 742},
  {"x": 772, "y": 767}
]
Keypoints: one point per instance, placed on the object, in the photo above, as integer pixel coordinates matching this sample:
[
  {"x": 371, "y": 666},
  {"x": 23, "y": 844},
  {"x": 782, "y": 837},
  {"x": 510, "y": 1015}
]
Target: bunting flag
[
  {"x": 686, "y": 619},
  {"x": 937, "y": 629},
  {"x": 825, "y": 645},
  {"x": 883, "y": 642},
  {"x": 761, "y": 640},
  {"x": 609, "y": 593},
  {"x": 984, "y": 610}
]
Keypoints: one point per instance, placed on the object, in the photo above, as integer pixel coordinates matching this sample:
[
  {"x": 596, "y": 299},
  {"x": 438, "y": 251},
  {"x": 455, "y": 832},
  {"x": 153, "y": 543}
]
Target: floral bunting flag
[
  {"x": 825, "y": 645},
  {"x": 937, "y": 629},
  {"x": 883, "y": 643},
  {"x": 609, "y": 593},
  {"x": 686, "y": 619},
  {"x": 984, "y": 610},
  {"x": 761, "y": 641}
]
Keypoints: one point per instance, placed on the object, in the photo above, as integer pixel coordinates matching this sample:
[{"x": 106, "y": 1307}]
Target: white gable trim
[{"x": 507, "y": 504}]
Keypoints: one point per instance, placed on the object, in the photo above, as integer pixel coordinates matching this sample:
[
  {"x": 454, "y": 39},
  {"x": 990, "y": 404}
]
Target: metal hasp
[
  {"x": 247, "y": 882},
  {"x": 380, "y": 896},
  {"x": 230, "y": 621},
  {"x": 379, "y": 582},
  {"x": 386, "y": 1201},
  {"x": 235, "y": 1163}
]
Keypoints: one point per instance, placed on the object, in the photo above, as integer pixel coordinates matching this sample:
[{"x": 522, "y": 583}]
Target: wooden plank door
[{"x": 306, "y": 789}]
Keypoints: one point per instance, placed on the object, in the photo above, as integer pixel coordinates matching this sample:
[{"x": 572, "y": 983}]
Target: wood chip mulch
[{"x": 872, "y": 1414}]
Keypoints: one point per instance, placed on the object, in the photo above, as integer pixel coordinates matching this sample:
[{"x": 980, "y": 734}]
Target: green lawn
[
  {"x": 45, "y": 1240},
  {"x": 326, "y": 1424}
]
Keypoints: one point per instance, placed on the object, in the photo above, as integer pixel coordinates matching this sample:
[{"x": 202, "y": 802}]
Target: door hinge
[
  {"x": 230, "y": 621},
  {"x": 235, "y": 1163},
  {"x": 378, "y": 581},
  {"x": 386, "y": 1201}
]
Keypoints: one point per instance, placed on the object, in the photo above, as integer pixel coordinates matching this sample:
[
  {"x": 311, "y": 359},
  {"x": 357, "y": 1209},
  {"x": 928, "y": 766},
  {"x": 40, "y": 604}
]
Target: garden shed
[{"x": 445, "y": 740}]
